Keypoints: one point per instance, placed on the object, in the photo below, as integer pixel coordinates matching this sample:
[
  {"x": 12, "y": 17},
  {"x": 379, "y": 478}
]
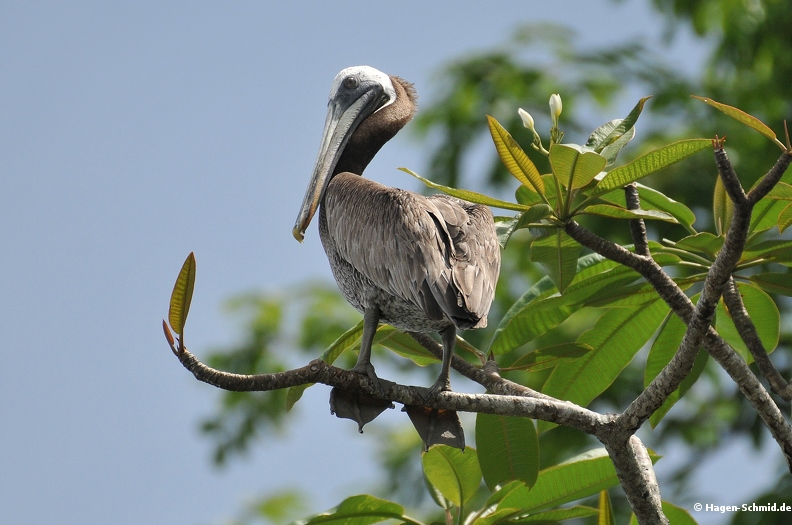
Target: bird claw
[
  {"x": 439, "y": 386},
  {"x": 368, "y": 370}
]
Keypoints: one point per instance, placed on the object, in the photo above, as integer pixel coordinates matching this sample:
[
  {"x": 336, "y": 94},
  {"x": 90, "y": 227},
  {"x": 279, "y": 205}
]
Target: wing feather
[{"x": 438, "y": 252}]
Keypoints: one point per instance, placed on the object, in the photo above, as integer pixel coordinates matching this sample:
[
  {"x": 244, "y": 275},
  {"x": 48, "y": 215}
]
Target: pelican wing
[{"x": 437, "y": 252}]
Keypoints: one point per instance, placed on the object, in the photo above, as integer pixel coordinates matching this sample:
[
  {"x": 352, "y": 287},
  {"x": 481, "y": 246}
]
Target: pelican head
[{"x": 357, "y": 93}]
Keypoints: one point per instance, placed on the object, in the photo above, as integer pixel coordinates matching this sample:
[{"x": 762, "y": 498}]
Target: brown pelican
[{"x": 422, "y": 264}]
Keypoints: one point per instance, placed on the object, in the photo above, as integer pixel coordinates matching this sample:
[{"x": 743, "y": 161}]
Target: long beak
[{"x": 343, "y": 118}]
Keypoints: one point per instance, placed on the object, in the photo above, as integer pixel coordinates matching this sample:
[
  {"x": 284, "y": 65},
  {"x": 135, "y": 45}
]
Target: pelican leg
[
  {"x": 363, "y": 365},
  {"x": 443, "y": 383}
]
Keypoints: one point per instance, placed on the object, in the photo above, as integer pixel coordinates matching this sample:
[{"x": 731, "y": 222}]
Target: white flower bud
[
  {"x": 555, "y": 108},
  {"x": 527, "y": 119}
]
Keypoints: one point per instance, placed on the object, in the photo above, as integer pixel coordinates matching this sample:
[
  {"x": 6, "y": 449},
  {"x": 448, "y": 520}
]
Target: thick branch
[
  {"x": 317, "y": 371},
  {"x": 636, "y": 474},
  {"x": 749, "y": 335}
]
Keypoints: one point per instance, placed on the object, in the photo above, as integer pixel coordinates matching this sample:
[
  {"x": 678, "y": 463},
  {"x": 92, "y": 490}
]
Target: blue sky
[{"x": 134, "y": 133}]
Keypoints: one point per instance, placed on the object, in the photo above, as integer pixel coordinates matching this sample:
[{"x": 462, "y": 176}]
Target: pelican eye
[{"x": 351, "y": 82}]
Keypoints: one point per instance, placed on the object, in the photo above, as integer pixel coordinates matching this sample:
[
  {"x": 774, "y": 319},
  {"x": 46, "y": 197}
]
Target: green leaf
[
  {"x": 508, "y": 449},
  {"x": 663, "y": 349},
  {"x": 703, "y": 242},
  {"x": 573, "y": 168},
  {"x": 454, "y": 473},
  {"x": 558, "y": 253},
  {"x": 652, "y": 199},
  {"x": 362, "y": 510},
  {"x": 650, "y": 163},
  {"x": 506, "y": 226},
  {"x": 606, "y": 516},
  {"x": 745, "y": 118},
  {"x": 722, "y": 208},
  {"x": 764, "y": 314},
  {"x": 772, "y": 282},
  {"x": 765, "y": 215},
  {"x": 181, "y": 297},
  {"x": 540, "y": 309},
  {"x": 768, "y": 251},
  {"x": 677, "y": 515},
  {"x": 616, "y": 338},
  {"x": 781, "y": 191},
  {"x": 467, "y": 195},
  {"x": 550, "y": 356},
  {"x": 609, "y": 133},
  {"x": 404, "y": 345},
  {"x": 614, "y": 212},
  {"x": 611, "y": 151},
  {"x": 533, "y": 314},
  {"x": 785, "y": 219},
  {"x": 514, "y": 158},
  {"x": 579, "y": 477}
]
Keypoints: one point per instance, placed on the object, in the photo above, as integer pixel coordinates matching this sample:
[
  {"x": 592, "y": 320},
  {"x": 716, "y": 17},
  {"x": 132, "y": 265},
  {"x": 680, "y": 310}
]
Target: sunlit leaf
[
  {"x": 573, "y": 168},
  {"x": 514, "y": 158},
  {"x": 650, "y": 163},
  {"x": 453, "y": 472},
  {"x": 467, "y": 195},
  {"x": 181, "y": 297},
  {"x": 606, "y": 516},
  {"x": 558, "y": 253},
  {"x": 508, "y": 449},
  {"x": 743, "y": 117}
]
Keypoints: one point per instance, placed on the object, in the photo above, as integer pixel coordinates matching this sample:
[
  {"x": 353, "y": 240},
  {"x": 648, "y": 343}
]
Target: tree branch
[
  {"x": 747, "y": 331},
  {"x": 317, "y": 371},
  {"x": 637, "y": 226},
  {"x": 636, "y": 474}
]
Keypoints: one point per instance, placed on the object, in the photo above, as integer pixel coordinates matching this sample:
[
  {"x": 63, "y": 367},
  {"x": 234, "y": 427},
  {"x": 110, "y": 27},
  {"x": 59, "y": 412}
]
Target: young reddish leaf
[{"x": 181, "y": 297}]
